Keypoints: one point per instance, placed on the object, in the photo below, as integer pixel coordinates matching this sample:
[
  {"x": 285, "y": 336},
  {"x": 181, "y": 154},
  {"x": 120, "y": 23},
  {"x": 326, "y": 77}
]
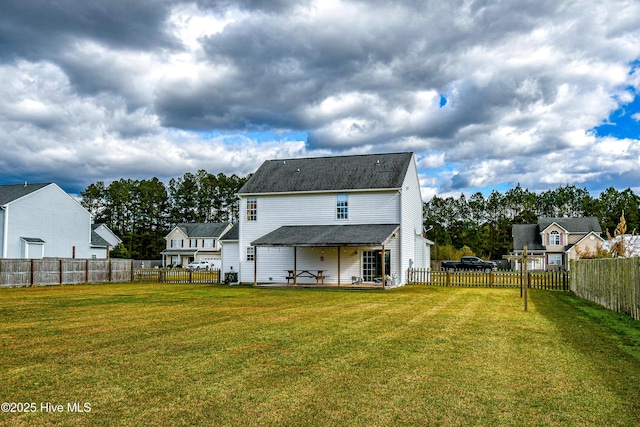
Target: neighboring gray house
[
  {"x": 334, "y": 217},
  {"x": 194, "y": 242},
  {"x": 42, "y": 220},
  {"x": 552, "y": 242},
  {"x": 103, "y": 240}
]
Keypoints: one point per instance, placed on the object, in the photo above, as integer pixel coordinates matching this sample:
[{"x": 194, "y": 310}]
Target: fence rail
[
  {"x": 611, "y": 283},
  {"x": 549, "y": 280},
  {"x": 173, "y": 275},
  {"x": 63, "y": 271}
]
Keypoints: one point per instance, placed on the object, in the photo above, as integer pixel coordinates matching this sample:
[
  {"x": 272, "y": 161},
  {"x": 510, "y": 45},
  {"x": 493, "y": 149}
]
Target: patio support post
[
  {"x": 384, "y": 263},
  {"x": 255, "y": 266},
  {"x": 339, "y": 265},
  {"x": 295, "y": 266}
]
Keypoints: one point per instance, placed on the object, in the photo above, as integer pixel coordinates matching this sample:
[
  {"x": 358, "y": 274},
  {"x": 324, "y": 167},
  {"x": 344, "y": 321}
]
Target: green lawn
[{"x": 149, "y": 354}]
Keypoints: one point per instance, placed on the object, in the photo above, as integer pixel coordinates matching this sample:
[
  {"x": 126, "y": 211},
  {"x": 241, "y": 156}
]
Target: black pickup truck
[{"x": 469, "y": 263}]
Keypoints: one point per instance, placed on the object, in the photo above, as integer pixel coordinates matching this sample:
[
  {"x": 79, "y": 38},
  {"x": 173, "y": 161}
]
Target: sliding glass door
[{"x": 372, "y": 265}]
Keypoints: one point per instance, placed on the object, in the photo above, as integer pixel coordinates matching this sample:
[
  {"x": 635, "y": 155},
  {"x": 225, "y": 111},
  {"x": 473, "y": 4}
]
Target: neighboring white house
[
  {"x": 628, "y": 244},
  {"x": 332, "y": 214},
  {"x": 42, "y": 220},
  {"x": 103, "y": 240},
  {"x": 194, "y": 242}
]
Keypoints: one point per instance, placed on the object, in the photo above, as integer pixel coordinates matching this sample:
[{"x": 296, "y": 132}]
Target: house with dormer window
[
  {"x": 552, "y": 242},
  {"x": 332, "y": 220},
  {"x": 194, "y": 242}
]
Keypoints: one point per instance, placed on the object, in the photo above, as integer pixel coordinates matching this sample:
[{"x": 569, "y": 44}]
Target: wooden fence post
[
  {"x": 525, "y": 278},
  {"x": 32, "y": 271}
]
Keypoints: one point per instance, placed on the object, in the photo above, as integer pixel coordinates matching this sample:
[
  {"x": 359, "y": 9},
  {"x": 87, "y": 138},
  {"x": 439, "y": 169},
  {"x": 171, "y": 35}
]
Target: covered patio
[{"x": 329, "y": 255}]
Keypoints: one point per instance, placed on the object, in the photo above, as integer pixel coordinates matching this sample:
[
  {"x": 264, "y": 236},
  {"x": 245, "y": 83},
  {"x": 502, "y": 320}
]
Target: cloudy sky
[{"x": 486, "y": 93}]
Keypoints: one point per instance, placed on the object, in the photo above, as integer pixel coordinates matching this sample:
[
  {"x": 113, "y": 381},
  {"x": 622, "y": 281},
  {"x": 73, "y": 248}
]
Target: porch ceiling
[{"x": 329, "y": 235}]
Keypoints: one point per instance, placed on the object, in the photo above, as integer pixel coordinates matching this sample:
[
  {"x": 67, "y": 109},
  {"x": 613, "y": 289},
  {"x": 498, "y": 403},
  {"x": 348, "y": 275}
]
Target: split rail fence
[
  {"x": 548, "y": 280},
  {"x": 63, "y": 271},
  {"x": 611, "y": 283}
]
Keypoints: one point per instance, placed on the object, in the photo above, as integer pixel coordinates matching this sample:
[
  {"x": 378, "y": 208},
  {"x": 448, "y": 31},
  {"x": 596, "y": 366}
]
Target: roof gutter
[{"x": 345, "y": 190}]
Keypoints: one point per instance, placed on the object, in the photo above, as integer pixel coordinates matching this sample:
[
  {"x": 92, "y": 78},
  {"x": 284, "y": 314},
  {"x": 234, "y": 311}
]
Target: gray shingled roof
[
  {"x": 373, "y": 171},
  {"x": 203, "y": 229},
  {"x": 11, "y": 192},
  {"x": 98, "y": 240},
  {"x": 232, "y": 234},
  {"x": 529, "y": 234},
  {"x": 328, "y": 235},
  {"x": 573, "y": 225},
  {"x": 526, "y": 235}
]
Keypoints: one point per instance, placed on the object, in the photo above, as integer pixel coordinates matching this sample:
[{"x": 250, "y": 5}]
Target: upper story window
[
  {"x": 207, "y": 243},
  {"x": 176, "y": 243},
  {"x": 252, "y": 208},
  {"x": 193, "y": 243},
  {"x": 342, "y": 207},
  {"x": 554, "y": 238}
]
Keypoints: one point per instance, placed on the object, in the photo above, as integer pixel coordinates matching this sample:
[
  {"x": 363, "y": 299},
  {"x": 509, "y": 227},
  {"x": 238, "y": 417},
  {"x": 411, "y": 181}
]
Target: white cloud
[{"x": 525, "y": 83}]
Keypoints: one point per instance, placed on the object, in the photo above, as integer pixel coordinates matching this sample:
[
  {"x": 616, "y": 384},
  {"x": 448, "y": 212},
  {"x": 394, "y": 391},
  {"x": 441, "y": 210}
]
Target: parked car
[
  {"x": 470, "y": 263},
  {"x": 199, "y": 265}
]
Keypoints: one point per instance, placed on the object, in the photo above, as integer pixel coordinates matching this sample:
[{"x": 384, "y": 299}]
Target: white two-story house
[
  {"x": 346, "y": 218},
  {"x": 188, "y": 242},
  {"x": 41, "y": 220}
]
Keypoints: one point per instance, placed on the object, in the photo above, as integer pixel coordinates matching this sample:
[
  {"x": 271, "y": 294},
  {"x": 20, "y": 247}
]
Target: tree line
[
  {"x": 142, "y": 212},
  {"x": 482, "y": 225}
]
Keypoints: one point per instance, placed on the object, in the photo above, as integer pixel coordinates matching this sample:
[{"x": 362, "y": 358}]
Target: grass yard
[{"x": 150, "y": 354}]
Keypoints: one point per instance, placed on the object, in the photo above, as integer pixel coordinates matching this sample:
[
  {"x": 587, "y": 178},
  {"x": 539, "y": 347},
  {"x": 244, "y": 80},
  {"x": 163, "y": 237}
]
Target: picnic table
[{"x": 294, "y": 274}]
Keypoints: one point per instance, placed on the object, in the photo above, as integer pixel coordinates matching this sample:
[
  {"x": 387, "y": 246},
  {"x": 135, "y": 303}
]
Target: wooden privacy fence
[
  {"x": 549, "y": 280},
  {"x": 63, "y": 271},
  {"x": 611, "y": 283},
  {"x": 176, "y": 275}
]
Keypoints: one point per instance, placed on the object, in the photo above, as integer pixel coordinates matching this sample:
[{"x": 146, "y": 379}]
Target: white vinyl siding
[
  {"x": 411, "y": 224},
  {"x": 52, "y": 215},
  {"x": 392, "y": 206},
  {"x": 367, "y": 207}
]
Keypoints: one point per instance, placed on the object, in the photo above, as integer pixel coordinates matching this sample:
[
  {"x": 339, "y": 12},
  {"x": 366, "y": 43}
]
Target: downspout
[
  {"x": 401, "y": 273},
  {"x": 5, "y": 238}
]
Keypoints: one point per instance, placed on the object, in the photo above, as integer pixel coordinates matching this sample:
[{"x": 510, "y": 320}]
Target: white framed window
[
  {"x": 176, "y": 243},
  {"x": 208, "y": 243},
  {"x": 251, "y": 253},
  {"x": 555, "y": 259},
  {"x": 554, "y": 238},
  {"x": 342, "y": 206},
  {"x": 193, "y": 243},
  {"x": 252, "y": 208}
]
